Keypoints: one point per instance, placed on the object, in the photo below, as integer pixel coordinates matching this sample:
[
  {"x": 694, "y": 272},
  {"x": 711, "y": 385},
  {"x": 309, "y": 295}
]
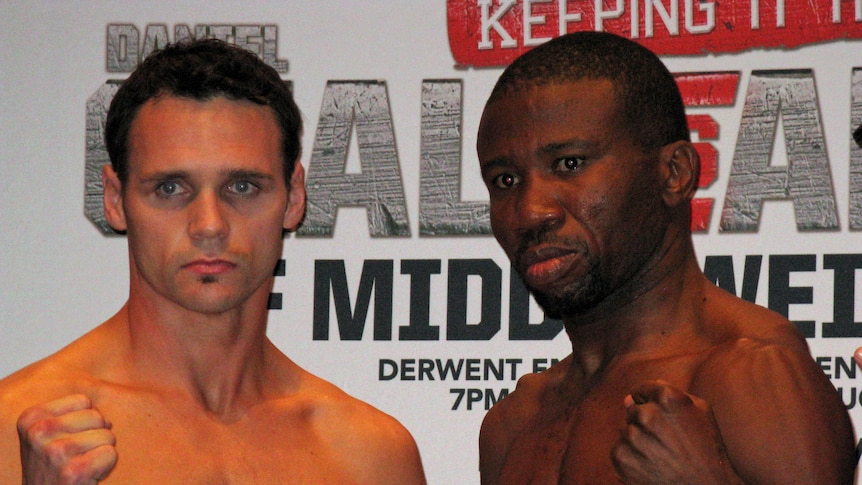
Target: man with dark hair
[
  {"x": 182, "y": 385},
  {"x": 585, "y": 152}
]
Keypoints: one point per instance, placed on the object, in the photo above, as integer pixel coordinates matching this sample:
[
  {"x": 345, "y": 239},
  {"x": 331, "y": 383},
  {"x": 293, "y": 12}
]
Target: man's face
[
  {"x": 205, "y": 202},
  {"x": 574, "y": 203}
]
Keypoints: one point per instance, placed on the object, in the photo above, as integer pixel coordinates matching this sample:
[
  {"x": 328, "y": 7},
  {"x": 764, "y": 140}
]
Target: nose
[
  {"x": 207, "y": 217},
  {"x": 538, "y": 207}
]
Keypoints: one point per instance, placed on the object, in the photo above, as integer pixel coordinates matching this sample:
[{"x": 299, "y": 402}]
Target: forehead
[
  {"x": 174, "y": 131},
  {"x": 533, "y": 116}
]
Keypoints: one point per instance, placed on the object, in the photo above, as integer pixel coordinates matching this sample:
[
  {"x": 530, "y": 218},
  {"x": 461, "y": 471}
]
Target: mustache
[{"x": 544, "y": 235}]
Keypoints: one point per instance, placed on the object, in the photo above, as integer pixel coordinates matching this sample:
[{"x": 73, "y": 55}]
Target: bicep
[
  {"x": 382, "y": 451},
  {"x": 779, "y": 416},
  {"x": 10, "y": 455},
  {"x": 406, "y": 462}
]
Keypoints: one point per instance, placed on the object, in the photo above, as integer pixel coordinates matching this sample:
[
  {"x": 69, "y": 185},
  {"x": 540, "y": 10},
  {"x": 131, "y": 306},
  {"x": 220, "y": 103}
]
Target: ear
[
  {"x": 295, "y": 212},
  {"x": 113, "y": 199},
  {"x": 679, "y": 171}
]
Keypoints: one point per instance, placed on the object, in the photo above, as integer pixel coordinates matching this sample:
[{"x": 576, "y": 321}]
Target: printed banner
[{"x": 394, "y": 288}]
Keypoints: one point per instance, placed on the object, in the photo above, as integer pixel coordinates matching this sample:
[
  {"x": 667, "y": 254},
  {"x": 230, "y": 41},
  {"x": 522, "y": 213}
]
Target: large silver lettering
[
  {"x": 805, "y": 180},
  {"x": 441, "y": 211},
  {"x": 365, "y": 105}
]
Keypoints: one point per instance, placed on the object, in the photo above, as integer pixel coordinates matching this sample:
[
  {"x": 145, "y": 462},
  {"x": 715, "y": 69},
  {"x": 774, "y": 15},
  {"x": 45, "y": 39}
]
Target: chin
[
  {"x": 573, "y": 300},
  {"x": 212, "y": 302}
]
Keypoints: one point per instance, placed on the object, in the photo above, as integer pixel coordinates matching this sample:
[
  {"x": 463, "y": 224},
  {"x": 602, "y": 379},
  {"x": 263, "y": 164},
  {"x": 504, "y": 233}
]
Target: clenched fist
[
  {"x": 66, "y": 441},
  {"x": 670, "y": 437}
]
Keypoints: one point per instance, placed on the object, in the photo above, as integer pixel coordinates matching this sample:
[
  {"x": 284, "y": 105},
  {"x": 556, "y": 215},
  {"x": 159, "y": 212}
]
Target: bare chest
[
  {"x": 161, "y": 445},
  {"x": 571, "y": 443},
  {"x": 573, "y": 448}
]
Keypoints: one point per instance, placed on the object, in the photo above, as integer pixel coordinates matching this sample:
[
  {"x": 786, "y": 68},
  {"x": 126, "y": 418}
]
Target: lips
[
  {"x": 209, "y": 266},
  {"x": 541, "y": 266}
]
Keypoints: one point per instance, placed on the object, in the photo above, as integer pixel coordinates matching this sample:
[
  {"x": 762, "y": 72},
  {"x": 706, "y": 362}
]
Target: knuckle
[
  {"x": 106, "y": 437},
  {"x": 619, "y": 453},
  {"x": 95, "y": 416},
  {"x": 666, "y": 394},
  {"x": 646, "y": 416},
  {"x": 28, "y": 417},
  {"x": 58, "y": 451},
  {"x": 72, "y": 474},
  {"x": 41, "y": 430}
]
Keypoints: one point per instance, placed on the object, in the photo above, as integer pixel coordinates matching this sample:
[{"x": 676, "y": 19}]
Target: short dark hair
[
  {"x": 649, "y": 100},
  {"x": 202, "y": 70}
]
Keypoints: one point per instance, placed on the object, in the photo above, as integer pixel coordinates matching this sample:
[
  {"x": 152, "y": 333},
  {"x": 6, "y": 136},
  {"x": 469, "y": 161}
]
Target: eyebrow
[
  {"x": 548, "y": 149},
  {"x": 230, "y": 174},
  {"x": 551, "y": 148},
  {"x": 162, "y": 176},
  {"x": 495, "y": 163},
  {"x": 248, "y": 174}
]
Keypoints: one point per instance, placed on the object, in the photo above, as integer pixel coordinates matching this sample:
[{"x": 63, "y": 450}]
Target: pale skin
[
  {"x": 182, "y": 385},
  {"x": 671, "y": 379}
]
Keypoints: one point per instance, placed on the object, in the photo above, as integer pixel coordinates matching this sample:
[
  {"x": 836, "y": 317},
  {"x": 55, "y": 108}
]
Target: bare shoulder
[
  {"x": 740, "y": 320},
  {"x": 50, "y": 378},
  {"x": 375, "y": 446},
  {"x": 521, "y": 406},
  {"x": 778, "y": 413},
  {"x": 38, "y": 383},
  {"x": 511, "y": 415}
]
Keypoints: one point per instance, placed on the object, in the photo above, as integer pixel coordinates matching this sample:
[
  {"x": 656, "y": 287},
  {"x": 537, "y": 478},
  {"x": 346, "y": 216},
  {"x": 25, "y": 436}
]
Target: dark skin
[{"x": 671, "y": 379}]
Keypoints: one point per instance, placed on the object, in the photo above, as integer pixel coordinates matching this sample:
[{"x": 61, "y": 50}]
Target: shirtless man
[
  {"x": 182, "y": 385},
  {"x": 585, "y": 152}
]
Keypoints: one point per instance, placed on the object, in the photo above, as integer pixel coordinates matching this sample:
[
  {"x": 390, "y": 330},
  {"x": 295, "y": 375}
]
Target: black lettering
[
  {"x": 540, "y": 365},
  {"x": 387, "y": 370},
  {"x": 275, "y": 299},
  {"x": 449, "y": 368},
  {"x": 490, "y": 369},
  {"x": 473, "y": 370},
  {"x": 408, "y": 369},
  {"x": 825, "y": 365},
  {"x": 426, "y": 366},
  {"x": 847, "y": 365},
  {"x": 376, "y": 275},
  {"x": 844, "y": 268},
  {"x": 460, "y": 395},
  {"x": 491, "y": 398},
  {"x": 782, "y": 295},
  {"x": 514, "y": 363},
  {"x": 520, "y": 327},
  {"x": 853, "y": 392},
  {"x": 719, "y": 270},
  {"x": 420, "y": 328},
  {"x": 474, "y": 396},
  {"x": 457, "y": 327}
]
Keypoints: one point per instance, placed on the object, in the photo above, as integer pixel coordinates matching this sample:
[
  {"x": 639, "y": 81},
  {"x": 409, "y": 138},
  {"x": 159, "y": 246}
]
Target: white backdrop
[{"x": 60, "y": 276}]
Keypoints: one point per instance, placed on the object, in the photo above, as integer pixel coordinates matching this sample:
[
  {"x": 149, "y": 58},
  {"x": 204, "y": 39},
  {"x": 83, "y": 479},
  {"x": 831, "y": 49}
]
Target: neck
[
  {"x": 652, "y": 315},
  {"x": 218, "y": 360}
]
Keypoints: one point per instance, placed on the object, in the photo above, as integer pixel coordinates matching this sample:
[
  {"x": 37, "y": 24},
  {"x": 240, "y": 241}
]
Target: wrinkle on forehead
[{"x": 551, "y": 115}]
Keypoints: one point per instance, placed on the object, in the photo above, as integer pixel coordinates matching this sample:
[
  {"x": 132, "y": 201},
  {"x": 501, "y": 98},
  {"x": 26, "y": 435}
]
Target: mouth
[
  {"x": 209, "y": 267},
  {"x": 544, "y": 265}
]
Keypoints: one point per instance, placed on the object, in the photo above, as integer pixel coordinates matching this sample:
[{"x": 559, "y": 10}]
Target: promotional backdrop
[{"x": 394, "y": 288}]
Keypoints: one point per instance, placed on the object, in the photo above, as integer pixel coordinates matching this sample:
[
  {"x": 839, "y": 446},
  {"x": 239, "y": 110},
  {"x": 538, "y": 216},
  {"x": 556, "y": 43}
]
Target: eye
[
  {"x": 169, "y": 189},
  {"x": 505, "y": 181},
  {"x": 568, "y": 164},
  {"x": 243, "y": 188}
]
